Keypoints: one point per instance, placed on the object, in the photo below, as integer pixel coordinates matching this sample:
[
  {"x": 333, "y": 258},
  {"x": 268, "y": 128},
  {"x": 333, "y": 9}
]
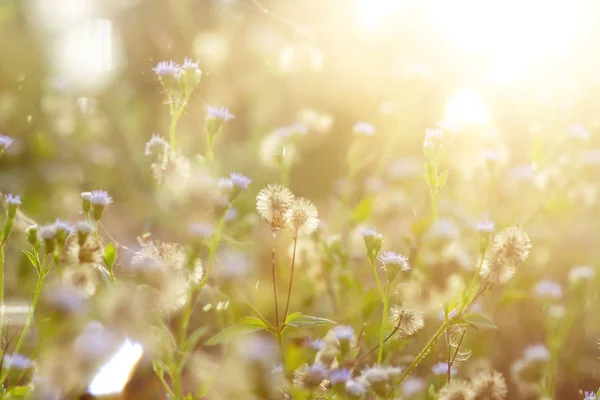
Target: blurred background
[{"x": 517, "y": 78}]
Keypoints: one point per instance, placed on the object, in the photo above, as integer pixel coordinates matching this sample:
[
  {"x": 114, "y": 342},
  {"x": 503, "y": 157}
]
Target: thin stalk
[
  {"x": 36, "y": 296},
  {"x": 425, "y": 351},
  {"x": 289, "y": 293},
  {"x": 1, "y": 289},
  {"x": 597, "y": 394},
  {"x": 381, "y": 293},
  {"x": 448, "y": 362},
  {"x": 281, "y": 349},
  {"x": 210, "y": 155},
  {"x": 274, "y": 286},
  {"x": 434, "y": 204},
  {"x": 386, "y": 301},
  {"x": 474, "y": 279},
  {"x": 451, "y": 361}
]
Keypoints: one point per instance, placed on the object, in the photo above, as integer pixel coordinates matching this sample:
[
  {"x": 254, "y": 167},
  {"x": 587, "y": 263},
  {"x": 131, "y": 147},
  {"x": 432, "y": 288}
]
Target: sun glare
[
  {"x": 371, "y": 13},
  {"x": 114, "y": 375},
  {"x": 465, "y": 107}
]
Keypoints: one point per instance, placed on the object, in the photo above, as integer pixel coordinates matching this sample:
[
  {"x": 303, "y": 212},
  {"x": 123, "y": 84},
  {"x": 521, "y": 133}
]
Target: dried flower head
[
  {"x": 273, "y": 203},
  {"x": 302, "y": 217},
  {"x": 489, "y": 385},
  {"x": 457, "y": 390},
  {"x": 512, "y": 244},
  {"x": 408, "y": 321}
]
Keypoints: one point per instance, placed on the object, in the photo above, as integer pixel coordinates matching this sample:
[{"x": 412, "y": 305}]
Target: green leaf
[
  {"x": 110, "y": 255},
  {"x": 363, "y": 210},
  {"x": 292, "y": 317},
  {"x": 479, "y": 321},
  {"x": 441, "y": 179},
  {"x": 32, "y": 258},
  {"x": 308, "y": 320},
  {"x": 246, "y": 325},
  {"x": 18, "y": 391}
]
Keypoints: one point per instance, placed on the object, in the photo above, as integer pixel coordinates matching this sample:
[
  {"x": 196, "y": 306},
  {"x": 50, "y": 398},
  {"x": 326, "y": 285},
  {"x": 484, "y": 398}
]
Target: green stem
[
  {"x": 289, "y": 293},
  {"x": 597, "y": 394},
  {"x": 434, "y": 204},
  {"x": 281, "y": 349},
  {"x": 1, "y": 290},
  {"x": 176, "y": 113},
  {"x": 473, "y": 281},
  {"x": 386, "y": 301},
  {"x": 425, "y": 350},
  {"x": 210, "y": 155},
  {"x": 36, "y": 296},
  {"x": 381, "y": 293}
]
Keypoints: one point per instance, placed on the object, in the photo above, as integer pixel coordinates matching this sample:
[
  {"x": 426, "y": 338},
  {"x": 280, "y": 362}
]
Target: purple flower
[
  {"x": 485, "y": 226},
  {"x": 343, "y": 332},
  {"x": 13, "y": 200},
  {"x": 188, "y": 64},
  {"x": 167, "y": 68},
  {"x": 314, "y": 344},
  {"x": 200, "y": 229},
  {"x": 441, "y": 368},
  {"x": 369, "y": 231},
  {"x": 340, "y": 376},
  {"x": 156, "y": 142},
  {"x": 548, "y": 288},
  {"x": 364, "y": 129},
  {"x": 240, "y": 180},
  {"x": 62, "y": 226},
  {"x": 5, "y": 141},
  {"x": 100, "y": 198},
  {"x": 222, "y": 113}
]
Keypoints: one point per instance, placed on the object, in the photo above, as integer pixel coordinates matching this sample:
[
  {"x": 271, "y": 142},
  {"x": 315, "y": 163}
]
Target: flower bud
[
  {"x": 86, "y": 203},
  {"x": 31, "y": 233},
  {"x": 48, "y": 235},
  {"x": 12, "y": 203},
  {"x": 216, "y": 117}
]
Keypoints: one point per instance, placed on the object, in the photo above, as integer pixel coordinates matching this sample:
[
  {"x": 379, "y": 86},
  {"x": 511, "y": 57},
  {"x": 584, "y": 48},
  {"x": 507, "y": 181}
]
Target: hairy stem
[
  {"x": 381, "y": 293},
  {"x": 1, "y": 290},
  {"x": 289, "y": 293}
]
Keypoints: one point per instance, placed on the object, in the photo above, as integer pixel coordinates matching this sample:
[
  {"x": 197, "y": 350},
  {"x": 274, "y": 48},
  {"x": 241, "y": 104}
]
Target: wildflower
[
  {"x": 240, "y": 180},
  {"x": 373, "y": 242},
  {"x": 547, "y": 288},
  {"x": 485, "y": 227},
  {"x": 157, "y": 146},
  {"x": 190, "y": 73},
  {"x": 408, "y": 321},
  {"x": 578, "y": 131},
  {"x": 83, "y": 229},
  {"x": 314, "y": 344},
  {"x": 457, "y": 390},
  {"x": 48, "y": 235},
  {"x": 63, "y": 230},
  {"x": 201, "y": 230},
  {"x": 393, "y": 263},
  {"x": 355, "y": 388},
  {"x": 99, "y": 200},
  {"x": 31, "y": 233},
  {"x": 86, "y": 201},
  {"x": 378, "y": 380},
  {"x": 12, "y": 202},
  {"x": 589, "y": 395},
  {"x": 412, "y": 385},
  {"x": 273, "y": 203},
  {"x": 340, "y": 376},
  {"x": 489, "y": 385},
  {"x": 344, "y": 333},
  {"x": 441, "y": 368},
  {"x": 434, "y": 134},
  {"x": 581, "y": 272},
  {"x": 536, "y": 353},
  {"x": 309, "y": 376},
  {"x": 166, "y": 68},
  {"x": 363, "y": 129},
  {"x": 394, "y": 373},
  {"x": 216, "y": 117},
  {"x": 302, "y": 217},
  {"x": 5, "y": 141}
]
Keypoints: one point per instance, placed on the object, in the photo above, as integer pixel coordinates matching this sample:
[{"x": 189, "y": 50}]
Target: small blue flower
[
  {"x": 356, "y": 388},
  {"x": 537, "y": 352},
  {"x": 5, "y": 141},
  {"x": 188, "y": 64},
  {"x": 369, "y": 232},
  {"x": 485, "y": 226},
  {"x": 364, "y": 129},
  {"x": 100, "y": 198},
  {"x": 240, "y": 180},
  {"x": 156, "y": 142},
  {"x": 231, "y": 214},
  {"x": 441, "y": 368},
  {"x": 13, "y": 200},
  {"x": 589, "y": 395},
  {"x": 167, "y": 68},
  {"x": 340, "y": 376},
  {"x": 222, "y": 113},
  {"x": 64, "y": 227},
  {"x": 343, "y": 332},
  {"x": 548, "y": 288},
  {"x": 314, "y": 344}
]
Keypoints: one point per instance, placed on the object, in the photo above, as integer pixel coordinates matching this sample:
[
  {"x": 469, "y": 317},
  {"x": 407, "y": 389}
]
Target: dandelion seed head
[
  {"x": 302, "y": 216},
  {"x": 12, "y": 200},
  {"x": 548, "y": 288},
  {"x": 512, "y": 244},
  {"x": 457, "y": 390},
  {"x": 363, "y": 129},
  {"x": 100, "y": 198},
  {"x": 489, "y": 385},
  {"x": 273, "y": 203},
  {"x": 240, "y": 180},
  {"x": 408, "y": 321}
]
